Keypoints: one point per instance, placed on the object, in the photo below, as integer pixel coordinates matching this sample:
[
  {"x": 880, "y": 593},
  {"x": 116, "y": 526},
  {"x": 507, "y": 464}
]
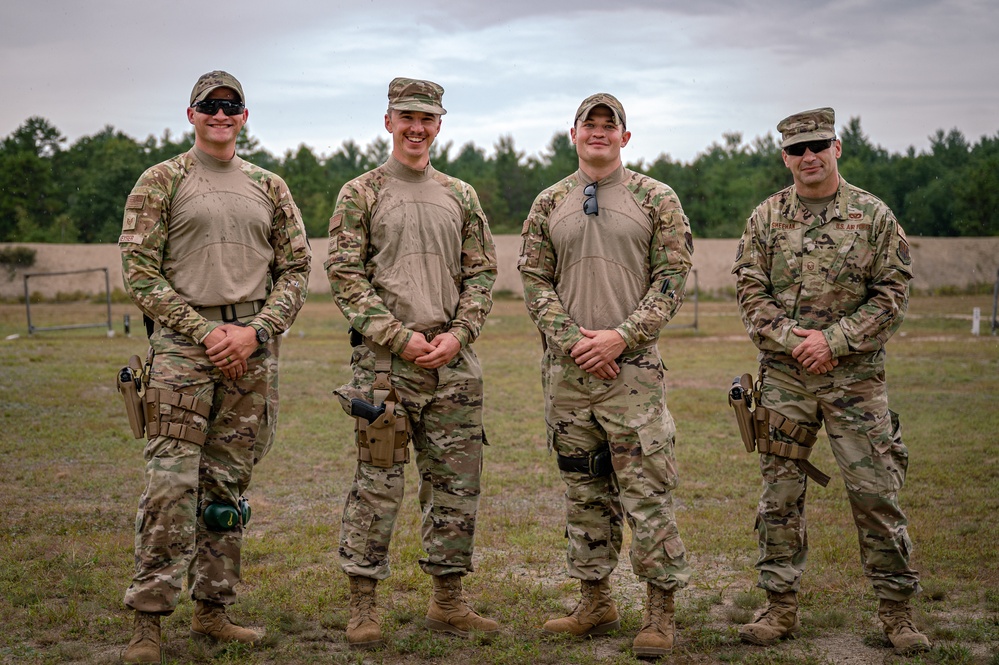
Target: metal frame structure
[
  {"x": 32, "y": 329},
  {"x": 995, "y": 306}
]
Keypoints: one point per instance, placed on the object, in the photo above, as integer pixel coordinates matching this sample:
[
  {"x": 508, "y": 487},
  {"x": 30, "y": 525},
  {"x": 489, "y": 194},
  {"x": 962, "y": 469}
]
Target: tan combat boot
[
  {"x": 364, "y": 630},
  {"x": 896, "y": 615},
  {"x": 658, "y": 628},
  {"x": 450, "y": 613},
  {"x": 777, "y": 621},
  {"x": 211, "y": 621},
  {"x": 595, "y": 613},
  {"x": 145, "y": 644}
]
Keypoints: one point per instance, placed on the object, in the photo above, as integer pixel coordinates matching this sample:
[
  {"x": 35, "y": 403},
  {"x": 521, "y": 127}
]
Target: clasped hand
[
  {"x": 598, "y": 351},
  {"x": 229, "y": 346},
  {"x": 433, "y": 354},
  {"x": 813, "y": 353}
]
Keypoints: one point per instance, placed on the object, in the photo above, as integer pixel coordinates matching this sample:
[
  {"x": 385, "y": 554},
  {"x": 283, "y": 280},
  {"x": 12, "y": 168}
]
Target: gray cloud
[{"x": 316, "y": 73}]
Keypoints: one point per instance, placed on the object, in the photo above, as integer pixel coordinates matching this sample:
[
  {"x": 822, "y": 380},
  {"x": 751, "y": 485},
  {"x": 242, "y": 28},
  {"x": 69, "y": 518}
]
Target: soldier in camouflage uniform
[
  {"x": 823, "y": 274},
  {"x": 214, "y": 254},
  {"x": 411, "y": 265},
  {"x": 600, "y": 281}
]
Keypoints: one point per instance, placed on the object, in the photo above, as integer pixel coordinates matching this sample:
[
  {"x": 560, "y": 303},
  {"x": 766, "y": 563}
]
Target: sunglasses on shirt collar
[
  {"x": 590, "y": 202},
  {"x": 212, "y": 106},
  {"x": 798, "y": 149}
]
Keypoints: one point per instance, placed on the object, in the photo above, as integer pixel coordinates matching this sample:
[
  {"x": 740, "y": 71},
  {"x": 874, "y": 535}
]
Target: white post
[{"x": 976, "y": 321}]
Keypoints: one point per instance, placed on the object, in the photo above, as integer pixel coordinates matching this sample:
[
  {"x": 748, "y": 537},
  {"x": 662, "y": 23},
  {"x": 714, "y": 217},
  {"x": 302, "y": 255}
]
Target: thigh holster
[
  {"x": 797, "y": 451},
  {"x": 757, "y": 422},
  {"x": 158, "y": 424},
  {"x": 384, "y": 439}
]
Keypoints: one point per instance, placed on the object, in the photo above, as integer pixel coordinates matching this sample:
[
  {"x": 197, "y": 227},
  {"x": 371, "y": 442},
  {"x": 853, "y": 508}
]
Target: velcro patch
[
  {"x": 903, "y": 252},
  {"x": 135, "y": 201},
  {"x": 129, "y": 223},
  {"x": 131, "y": 238}
]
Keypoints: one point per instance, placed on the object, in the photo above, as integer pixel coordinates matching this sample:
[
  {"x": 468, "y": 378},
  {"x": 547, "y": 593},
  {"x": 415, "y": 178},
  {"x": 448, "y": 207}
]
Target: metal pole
[
  {"x": 995, "y": 305},
  {"x": 697, "y": 298},
  {"x": 27, "y": 304},
  {"x": 107, "y": 290}
]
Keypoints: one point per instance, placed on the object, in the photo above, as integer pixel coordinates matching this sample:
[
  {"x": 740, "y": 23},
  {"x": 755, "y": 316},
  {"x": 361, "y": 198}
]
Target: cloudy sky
[{"x": 316, "y": 72}]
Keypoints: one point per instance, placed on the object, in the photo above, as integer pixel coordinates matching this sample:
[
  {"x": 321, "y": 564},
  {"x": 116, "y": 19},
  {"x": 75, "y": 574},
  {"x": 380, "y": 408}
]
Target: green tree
[
  {"x": 96, "y": 174},
  {"x": 29, "y": 202}
]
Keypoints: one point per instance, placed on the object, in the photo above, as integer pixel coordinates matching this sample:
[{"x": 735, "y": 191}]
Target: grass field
[{"x": 71, "y": 475}]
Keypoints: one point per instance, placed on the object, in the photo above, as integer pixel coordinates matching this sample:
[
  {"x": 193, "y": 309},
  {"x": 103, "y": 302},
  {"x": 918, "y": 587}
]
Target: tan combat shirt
[
  {"x": 623, "y": 269},
  {"x": 200, "y": 232},
  {"x": 410, "y": 251}
]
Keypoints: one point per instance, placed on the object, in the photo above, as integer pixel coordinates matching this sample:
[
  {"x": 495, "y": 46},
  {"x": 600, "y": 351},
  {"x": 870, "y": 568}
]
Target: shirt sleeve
[
  {"x": 349, "y": 232},
  {"x": 292, "y": 263},
  {"x": 142, "y": 244},
  {"x": 537, "y": 272},
  {"x": 766, "y": 321},
  {"x": 881, "y": 314},
  {"x": 670, "y": 259},
  {"x": 478, "y": 271}
]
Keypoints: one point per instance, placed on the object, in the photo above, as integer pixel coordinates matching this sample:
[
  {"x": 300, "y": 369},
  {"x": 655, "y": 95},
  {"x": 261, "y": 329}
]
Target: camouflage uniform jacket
[
  {"x": 667, "y": 262},
  {"x": 846, "y": 273},
  {"x": 145, "y": 250},
  {"x": 411, "y": 198}
]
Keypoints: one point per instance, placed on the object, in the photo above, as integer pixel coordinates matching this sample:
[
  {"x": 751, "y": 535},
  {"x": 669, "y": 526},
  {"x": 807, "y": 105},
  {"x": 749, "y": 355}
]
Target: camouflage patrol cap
[
  {"x": 604, "y": 99},
  {"x": 212, "y": 80},
  {"x": 814, "y": 125},
  {"x": 415, "y": 95}
]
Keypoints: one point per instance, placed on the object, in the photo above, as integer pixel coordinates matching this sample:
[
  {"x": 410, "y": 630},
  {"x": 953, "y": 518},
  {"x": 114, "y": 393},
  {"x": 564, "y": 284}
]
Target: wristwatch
[{"x": 262, "y": 335}]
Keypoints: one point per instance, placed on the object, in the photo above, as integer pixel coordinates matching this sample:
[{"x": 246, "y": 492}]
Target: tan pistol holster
[
  {"x": 130, "y": 384},
  {"x": 755, "y": 422},
  {"x": 385, "y": 440}
]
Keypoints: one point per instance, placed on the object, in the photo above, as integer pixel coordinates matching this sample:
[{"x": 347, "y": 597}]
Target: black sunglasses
[
  {"x": 590, "y": 202},
  {"x": 212, "y": 106},
  {"x": 798, "y": 149}
]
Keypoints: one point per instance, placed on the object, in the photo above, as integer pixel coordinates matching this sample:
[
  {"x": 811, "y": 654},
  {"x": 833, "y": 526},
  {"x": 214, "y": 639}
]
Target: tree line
[{"x": 54, "y": 192}]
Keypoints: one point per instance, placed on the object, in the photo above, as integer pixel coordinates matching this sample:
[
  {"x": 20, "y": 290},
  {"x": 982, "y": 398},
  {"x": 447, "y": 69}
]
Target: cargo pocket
[
  {"x": 892, "y": 457},
  {"x": 659, "y": 474},
  {"x": 356, "y": 542}
]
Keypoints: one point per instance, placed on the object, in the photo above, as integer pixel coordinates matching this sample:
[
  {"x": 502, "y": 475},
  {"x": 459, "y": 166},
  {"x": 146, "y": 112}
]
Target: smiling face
[
  {"x": 815, "y": 174},
  {"x": 217, "y": 134},
  {"x": 598, "y": 140},
  {"x": 413, "y": 132}
]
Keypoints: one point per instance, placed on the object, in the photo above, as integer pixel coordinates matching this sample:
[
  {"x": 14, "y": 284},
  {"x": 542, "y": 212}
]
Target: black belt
[{"x": 596, "y": 465}]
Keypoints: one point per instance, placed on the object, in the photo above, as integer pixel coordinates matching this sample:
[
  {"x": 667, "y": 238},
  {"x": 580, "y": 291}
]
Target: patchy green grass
[{"x": 72, "y": 474}]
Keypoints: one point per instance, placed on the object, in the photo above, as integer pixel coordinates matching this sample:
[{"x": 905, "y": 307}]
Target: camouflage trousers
[
  {"x": 866, "y": 441},
  {"x": 171, "y": 539},
  {"x": 586, "y": 414},
  {"x": 444, "y": 407}
]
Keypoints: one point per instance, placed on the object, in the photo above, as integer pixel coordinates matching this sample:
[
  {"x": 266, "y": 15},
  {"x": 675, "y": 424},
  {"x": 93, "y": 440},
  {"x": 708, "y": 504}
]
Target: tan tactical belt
[{"x": 225, "y": 313}]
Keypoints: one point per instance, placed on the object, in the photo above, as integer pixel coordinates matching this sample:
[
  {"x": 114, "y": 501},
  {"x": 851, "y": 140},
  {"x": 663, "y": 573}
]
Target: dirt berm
[{"x": 939, "y": 263}]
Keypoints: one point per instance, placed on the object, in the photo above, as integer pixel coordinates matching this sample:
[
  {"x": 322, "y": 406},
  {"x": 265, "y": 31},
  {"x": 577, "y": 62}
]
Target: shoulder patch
[
  {"x": 135, "y": 201},
  {"x": 903, "y": 251}
]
